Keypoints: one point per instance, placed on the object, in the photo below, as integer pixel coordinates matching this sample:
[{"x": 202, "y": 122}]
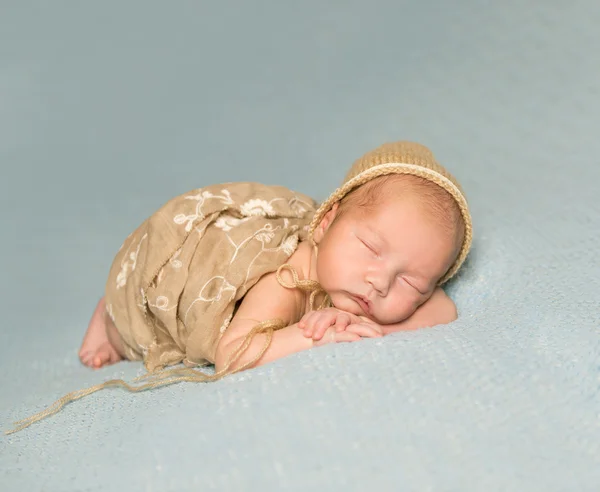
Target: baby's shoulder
[
  {"x": 300, "y": 259},
  {"x": 270, "y": 298}
]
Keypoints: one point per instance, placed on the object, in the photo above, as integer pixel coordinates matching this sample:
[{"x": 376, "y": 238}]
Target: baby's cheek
[{"x": 401, "y": 310}]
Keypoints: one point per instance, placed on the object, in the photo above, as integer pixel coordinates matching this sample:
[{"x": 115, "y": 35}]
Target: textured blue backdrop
[{"x": 108, "y": 109}]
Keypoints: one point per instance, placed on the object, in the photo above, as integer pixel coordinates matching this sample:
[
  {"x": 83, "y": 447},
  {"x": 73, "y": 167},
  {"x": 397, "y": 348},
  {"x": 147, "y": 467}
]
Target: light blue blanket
[{"x": 108, "y": 109}]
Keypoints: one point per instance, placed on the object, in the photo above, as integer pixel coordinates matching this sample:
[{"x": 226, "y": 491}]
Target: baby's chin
[{"x": 347, "y": 305}]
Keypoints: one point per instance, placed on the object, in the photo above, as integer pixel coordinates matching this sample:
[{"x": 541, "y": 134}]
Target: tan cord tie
[
  {"x": 311, "y": 286},
  {"x": 188, "y": 374}
]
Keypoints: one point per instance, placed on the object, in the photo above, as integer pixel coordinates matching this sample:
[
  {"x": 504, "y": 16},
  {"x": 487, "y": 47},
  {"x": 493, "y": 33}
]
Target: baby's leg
[{"x": 101, "y": 344}]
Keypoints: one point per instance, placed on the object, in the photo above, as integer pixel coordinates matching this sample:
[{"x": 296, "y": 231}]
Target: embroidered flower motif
[
  {"x": 175, "y": 263},
  {"x": 214, "y": 290},
  {"x": 228, "y": 222},
  {"x": 201, "y": 198},
  {"x": 128, "y": 265},
  {"x": 226, "y": 199},
  {"x": 297, "y": 209},
  {"x": 289, "y": 245},
  {"x": 189, "y": 220},
  {"x": 265, "y": 237},
  {"x": 162, "y": 303},
  {"x": 257, "y": 207},
  {"x": 122, "y": 276}
]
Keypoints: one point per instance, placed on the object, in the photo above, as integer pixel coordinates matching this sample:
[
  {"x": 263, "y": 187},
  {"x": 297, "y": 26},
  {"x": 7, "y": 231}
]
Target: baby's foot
[{"x": 96, "y": 349}]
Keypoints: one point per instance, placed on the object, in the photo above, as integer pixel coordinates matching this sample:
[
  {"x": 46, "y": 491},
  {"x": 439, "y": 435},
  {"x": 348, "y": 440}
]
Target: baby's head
[{"x": 396, "y": 229}]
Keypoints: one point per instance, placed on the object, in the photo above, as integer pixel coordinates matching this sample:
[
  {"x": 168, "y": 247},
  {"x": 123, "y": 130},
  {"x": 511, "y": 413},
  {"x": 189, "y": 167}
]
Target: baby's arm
[
  {"x": 285, "y": 341},
  {"x": 268, "y": 300}
]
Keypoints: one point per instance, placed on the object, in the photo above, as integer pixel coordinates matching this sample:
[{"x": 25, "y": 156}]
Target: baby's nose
[{"x": 380, "y": 283}]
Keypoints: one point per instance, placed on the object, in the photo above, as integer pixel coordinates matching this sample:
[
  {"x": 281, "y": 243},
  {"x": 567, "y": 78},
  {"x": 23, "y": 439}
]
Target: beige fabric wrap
[{"x": 173, "y": 286}]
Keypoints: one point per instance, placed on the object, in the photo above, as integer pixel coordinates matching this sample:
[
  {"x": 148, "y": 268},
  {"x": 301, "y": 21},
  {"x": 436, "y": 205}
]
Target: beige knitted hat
[{"x": 403, "y": 158}]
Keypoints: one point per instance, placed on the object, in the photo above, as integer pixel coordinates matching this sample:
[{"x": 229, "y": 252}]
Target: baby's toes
[
  {"x": 87, "y": 358},
  {"x": 101, "y": 357}
]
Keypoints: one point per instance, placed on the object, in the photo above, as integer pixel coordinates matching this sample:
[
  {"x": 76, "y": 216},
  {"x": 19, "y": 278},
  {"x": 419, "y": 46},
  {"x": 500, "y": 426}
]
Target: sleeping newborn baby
[
  {"x": 241, "y": 274},
  {"x": 374, "y": 255}
]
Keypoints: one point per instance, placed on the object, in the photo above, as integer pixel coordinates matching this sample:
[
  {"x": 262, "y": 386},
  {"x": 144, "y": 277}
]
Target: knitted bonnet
[{"x": 402, "y": 158}]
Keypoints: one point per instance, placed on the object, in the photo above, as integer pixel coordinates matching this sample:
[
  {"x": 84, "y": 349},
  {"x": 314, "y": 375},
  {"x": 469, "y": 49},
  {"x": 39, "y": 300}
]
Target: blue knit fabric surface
[{"x": 108, "y": 109}]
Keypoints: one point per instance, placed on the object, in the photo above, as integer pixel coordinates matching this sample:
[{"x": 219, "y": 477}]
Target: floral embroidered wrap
[{"x": 175, "y": 283}]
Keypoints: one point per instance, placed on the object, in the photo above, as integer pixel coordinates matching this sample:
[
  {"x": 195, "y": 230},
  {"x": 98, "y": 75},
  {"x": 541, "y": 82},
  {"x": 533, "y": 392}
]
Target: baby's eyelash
[
  {"x": 418, "y": 290},
  {"x": 369, "y": 247}
]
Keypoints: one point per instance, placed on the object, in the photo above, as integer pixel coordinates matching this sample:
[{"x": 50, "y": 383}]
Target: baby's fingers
[
  {"x": 321, "y": 325},
  {"x": 304, "y": 320},
  {"x": 332, "y": 336},
  {"x": 346, "y": 336},
  {"x": 306, "y": 324},
  {"x": 364, "y": 330},
  {"x": 342, "y": 322}
]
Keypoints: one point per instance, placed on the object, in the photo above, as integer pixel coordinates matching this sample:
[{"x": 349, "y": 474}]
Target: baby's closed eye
[
  {"x": 370, "y": 247},
  {"x": 410, "y": 284}
]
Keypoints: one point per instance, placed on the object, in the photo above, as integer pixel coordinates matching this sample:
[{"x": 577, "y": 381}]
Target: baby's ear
[{"x": 326, "y": 221}]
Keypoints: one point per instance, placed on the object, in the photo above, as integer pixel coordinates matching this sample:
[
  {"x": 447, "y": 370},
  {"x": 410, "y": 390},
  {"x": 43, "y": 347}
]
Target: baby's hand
[
  {"x": 316, "y": 323},
  {"x": 333, "y": 336},
  {"x": 332, "y": 320}
]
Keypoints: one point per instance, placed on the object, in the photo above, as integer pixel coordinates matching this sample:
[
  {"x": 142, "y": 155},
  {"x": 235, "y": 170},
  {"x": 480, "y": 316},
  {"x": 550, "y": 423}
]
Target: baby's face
[{"x": 392, "y": 259}]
